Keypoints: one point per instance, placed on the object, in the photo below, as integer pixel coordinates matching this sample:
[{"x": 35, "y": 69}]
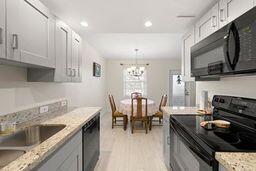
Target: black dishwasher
[{"x": 91, "y": 143}]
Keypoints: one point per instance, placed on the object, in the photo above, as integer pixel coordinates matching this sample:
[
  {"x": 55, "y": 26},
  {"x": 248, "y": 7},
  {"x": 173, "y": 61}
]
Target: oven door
[{"x": 186, "y": 154}]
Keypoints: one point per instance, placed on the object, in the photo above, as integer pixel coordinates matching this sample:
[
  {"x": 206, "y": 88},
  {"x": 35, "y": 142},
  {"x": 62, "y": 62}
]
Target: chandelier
[{"x": 136, "y": 71}]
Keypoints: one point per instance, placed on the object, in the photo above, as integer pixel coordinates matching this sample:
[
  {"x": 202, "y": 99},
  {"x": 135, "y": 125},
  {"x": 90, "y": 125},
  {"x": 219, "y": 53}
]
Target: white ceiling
[
  {"x": 116, "y": 27},
  {"x": 122, "y": 45}
]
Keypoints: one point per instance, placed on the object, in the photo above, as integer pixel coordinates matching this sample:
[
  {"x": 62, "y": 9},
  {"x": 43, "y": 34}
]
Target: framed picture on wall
[{"x": 96, "y": 69}]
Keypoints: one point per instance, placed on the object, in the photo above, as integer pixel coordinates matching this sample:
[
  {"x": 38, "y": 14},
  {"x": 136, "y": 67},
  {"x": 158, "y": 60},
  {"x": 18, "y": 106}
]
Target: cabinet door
[
  {"x": 63, "y": 71},
  {"x": 2, "y": 28},
  {"x": 208, "y": 23},
  {"x": 30, "y": 34},
  {"x": 236, "y": 8},
  {"x": 187, "y": 42},
  {"x": 231, "y": 9},
  {"x": 74, "y": 161},
  {"x": 76, "y": 58},
  {"x": 67, "y": 158}
]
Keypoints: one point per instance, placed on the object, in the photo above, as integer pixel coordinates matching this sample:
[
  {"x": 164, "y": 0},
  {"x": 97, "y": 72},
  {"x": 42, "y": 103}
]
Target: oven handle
[
  {"x": 232, "y": 30},
  {"x": 208, "y": 159}
]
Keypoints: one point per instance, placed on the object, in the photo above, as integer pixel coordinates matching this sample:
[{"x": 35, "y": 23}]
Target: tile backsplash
[{"x": 33, "y": 113}]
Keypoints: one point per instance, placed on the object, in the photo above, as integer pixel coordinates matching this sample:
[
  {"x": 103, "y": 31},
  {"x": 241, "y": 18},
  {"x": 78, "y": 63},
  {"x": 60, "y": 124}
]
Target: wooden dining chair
[
  {"x": 116, "y": 114},
  {"x": 159, "y": 113},
  {"x": 135, "y": 95},
  {"x": 139, "y": 114}
]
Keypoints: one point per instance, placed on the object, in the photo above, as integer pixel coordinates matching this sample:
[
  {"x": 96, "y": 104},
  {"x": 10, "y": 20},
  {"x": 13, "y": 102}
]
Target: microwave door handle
[
  {"x": 232, "y": 32},
  {"x": 237, "y": 43},
  {"x": 197, "y": 151}
]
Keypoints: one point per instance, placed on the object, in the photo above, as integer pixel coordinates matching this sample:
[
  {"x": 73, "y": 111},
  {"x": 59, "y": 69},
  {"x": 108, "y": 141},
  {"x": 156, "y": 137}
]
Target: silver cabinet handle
[
  {"x": 69, "y": 72},
  {"x": 1, "y": 35},
  {"x": 214, "y": 22},
  {"x": 168, "y": 140},
  {"x": 222, "y": 17},
  {"x": 74, "y": 72},
  {"x": 14, "y": 41}
]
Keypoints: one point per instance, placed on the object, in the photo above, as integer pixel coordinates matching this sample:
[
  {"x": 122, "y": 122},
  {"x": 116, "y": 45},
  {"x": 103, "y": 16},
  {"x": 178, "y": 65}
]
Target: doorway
[{"x": 181, "y": 93}]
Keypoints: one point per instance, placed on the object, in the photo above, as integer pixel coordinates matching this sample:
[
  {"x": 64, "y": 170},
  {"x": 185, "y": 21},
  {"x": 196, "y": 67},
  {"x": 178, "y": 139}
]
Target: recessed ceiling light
[
  {"x": 148, "y": 24},
  {"x": 84, "y": 24}
]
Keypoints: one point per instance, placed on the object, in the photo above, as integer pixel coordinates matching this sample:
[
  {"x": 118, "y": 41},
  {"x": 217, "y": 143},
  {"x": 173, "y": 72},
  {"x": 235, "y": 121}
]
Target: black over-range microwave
[{"x": 229, "y": 51}]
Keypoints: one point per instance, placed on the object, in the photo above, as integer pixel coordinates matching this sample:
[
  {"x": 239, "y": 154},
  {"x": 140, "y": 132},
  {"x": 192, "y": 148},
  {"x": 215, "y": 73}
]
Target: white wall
[
  {"x": 235, "y": 86},
  {"x": 15, "y": 92},
  {"x": 157, "y": 77}
]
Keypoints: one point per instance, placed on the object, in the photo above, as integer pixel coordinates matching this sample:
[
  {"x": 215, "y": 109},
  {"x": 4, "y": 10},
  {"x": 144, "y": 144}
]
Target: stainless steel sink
[
  {"x": 29, "y": 137},
  {"x": 7, "y": 156}
]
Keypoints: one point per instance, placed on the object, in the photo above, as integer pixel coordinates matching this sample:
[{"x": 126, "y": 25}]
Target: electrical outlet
[
  {"x": 44, "y": 109},
  {"x": 64, "y": 103}
]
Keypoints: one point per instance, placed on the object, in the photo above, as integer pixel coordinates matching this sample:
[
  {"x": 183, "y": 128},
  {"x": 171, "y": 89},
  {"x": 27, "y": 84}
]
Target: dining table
[{"x": 126, "y": 107}]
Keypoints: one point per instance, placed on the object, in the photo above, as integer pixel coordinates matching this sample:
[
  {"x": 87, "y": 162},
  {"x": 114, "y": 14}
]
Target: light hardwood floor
[{"x": 123, "y": 151}]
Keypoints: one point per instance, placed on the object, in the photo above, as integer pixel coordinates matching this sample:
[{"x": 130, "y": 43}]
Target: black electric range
[{"x": 203, "y": 143}]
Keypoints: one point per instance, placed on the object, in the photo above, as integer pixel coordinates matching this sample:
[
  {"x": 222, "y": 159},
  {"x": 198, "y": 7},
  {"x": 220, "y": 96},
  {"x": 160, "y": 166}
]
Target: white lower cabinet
[
  {"x": 30, "y": 33},
  {"x": 67, "y": 158},
  {"x": 187, "y": 42},
  {"x": 166, "y": 140},
  {"x": 208, "y": 24},
  {"x": 2, "y": 28}
]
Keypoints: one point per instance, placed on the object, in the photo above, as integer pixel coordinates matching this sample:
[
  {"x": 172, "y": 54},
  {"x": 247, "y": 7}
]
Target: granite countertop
[
  {"x": 230, "y": 160},
  {"x": 237, "y": 161},
  {"x": 179, "y": 110},
  {"x": 73, "y": 120}
]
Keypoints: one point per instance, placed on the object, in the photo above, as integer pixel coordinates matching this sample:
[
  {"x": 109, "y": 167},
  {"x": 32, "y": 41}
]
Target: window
[{"x": 135, "y": 84}]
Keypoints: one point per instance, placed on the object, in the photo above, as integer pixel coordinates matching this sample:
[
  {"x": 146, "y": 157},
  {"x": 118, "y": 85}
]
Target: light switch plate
[
  {"x": 64, "y": 103},
  {"x": 44, "y": 109}
]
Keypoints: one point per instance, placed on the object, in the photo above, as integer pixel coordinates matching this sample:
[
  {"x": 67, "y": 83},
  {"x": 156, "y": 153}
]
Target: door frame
[{"x": 172, "y": 72}]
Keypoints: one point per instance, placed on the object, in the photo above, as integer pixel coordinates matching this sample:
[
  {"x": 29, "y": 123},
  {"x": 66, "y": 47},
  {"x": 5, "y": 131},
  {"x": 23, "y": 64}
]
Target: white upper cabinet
[
  {"x": 229, "y": 10},
  {"x": 30, "y": 33},
  {"x": 223, "y": 13},
  {"x": 236, "y": 8},
  {"x": 63, "y": 52},
  {"x": 76, "y": 57},
  {"x": 2, "y": 28},
  {"x": 208, "y": 24},
  {"x": 187, "y": 42},
  {"x": 68, "y": 58}
]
